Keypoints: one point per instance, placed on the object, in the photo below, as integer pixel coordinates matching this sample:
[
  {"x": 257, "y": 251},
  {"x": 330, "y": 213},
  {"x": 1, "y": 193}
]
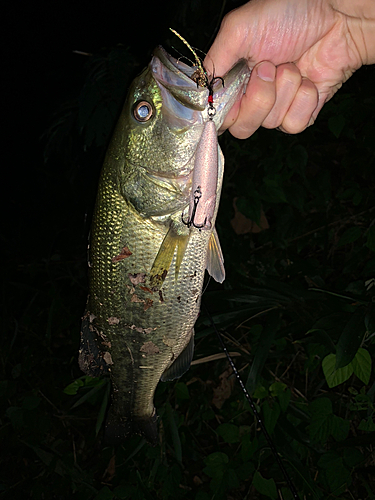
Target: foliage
[{"x": 297, "y": 307}]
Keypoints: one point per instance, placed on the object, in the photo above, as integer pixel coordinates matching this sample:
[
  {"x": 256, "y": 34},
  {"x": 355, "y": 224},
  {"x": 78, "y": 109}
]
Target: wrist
[{"x": 360, "y": 19}]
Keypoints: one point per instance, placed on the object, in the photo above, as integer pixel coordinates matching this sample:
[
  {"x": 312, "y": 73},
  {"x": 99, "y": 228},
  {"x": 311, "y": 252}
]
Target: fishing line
[{"x": 253, "y": 408}]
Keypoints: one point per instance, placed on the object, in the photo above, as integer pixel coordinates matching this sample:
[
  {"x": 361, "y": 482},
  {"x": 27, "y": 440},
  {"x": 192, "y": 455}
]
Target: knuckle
[
  {"x": 291, "y": 126},
  {"x": 289, "y": 74},
  {"x": 232, "y": 24},
  {"x": 264, "y": 101},
  {"x": 271, "y": 122},
  {"x": 308, "y": 90},
  {"x": 241, "y": 132}
]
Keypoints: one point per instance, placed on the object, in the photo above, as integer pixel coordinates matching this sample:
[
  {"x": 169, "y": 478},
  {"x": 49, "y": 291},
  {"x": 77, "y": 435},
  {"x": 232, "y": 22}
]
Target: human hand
[{"x": 301, "y": 52}]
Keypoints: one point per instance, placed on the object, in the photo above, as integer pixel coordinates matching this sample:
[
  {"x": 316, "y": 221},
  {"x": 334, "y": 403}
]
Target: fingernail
[{"x": 266, "y": 71}]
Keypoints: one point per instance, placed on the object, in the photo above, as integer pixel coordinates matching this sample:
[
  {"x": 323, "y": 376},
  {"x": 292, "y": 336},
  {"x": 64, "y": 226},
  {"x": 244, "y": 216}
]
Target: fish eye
[{"x": 142, "y": 111}]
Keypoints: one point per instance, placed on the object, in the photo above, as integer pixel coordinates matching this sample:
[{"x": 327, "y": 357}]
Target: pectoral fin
[
  {"x": 215, "y": 259},
  {"x": 181, "y": 364},
  {"x": 163, "y": 260}
]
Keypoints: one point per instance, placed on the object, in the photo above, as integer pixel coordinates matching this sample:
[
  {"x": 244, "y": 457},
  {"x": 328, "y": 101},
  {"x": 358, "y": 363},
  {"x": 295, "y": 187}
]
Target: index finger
[{"x": 226, "y": 49}]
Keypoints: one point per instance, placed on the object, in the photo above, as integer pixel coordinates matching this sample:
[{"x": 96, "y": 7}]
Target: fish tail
[{"x": 119, "y": 428}]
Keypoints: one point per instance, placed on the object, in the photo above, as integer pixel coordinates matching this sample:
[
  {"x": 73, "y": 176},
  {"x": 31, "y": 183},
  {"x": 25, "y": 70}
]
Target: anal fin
[
  {"x": 181, "y": 364},
  {"x": 215, "y": 259}
]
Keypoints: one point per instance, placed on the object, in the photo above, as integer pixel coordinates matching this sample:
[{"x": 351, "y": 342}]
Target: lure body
[{"x": 205, "y": 176}]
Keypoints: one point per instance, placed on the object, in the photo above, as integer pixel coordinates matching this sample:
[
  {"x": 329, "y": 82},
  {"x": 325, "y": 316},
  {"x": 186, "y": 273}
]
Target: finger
[
  {"x": 248, "y": 115},
  {"x": 288, "y": 82},
  {"x": 227, "y": 48},
  {"x": 300, "y": 113}
]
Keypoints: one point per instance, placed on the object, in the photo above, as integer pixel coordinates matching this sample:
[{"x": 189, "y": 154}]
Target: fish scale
[{"x": 146, "y": 266}]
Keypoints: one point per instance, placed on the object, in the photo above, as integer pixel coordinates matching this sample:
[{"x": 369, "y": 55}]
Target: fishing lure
[{"x": 203, "y": 194}]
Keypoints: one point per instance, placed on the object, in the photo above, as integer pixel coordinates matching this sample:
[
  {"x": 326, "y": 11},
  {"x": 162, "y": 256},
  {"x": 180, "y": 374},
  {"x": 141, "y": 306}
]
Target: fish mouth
[
  {"x": 173, "y": 72},
  {"x": 175, "y": 79}
]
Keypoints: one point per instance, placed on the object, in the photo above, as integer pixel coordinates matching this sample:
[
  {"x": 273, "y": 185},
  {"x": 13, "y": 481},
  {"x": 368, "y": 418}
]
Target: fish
[{"x": 153, "y": 236}]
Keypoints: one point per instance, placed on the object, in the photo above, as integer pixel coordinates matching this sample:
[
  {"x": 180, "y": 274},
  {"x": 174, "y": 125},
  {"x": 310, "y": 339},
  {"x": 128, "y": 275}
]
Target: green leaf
[
  {"x": 277, "y": 388},
  {"x": 245, "y": 471},
  {"x": 350, "y": 339},
  {"x": 264, "y": 486},
  {"x": 335, "y": 377},
  {"x": 350, "y": 236},
  {"x": 321, "y": 420},
  {"x": 229, "y": 432},
  {"x": 216, "y": 459},
  {"x": 73, "y": 388},
  {"x": 284, "y": 398},
  {"x": 353, "y": 457},
  {"x": 328, "y": 458},
  {"x": 338, "y": 476},
  {"x": 281, "y": 391},
  {"x": 362, "y": 365},
  {"x": 271, "y": 415},
  {"x": 90, "y": 393},
  {"x": 215, "y": 465},
  {"x": 322, "y": 337},
  {"x": 339, "y": 428},
  {"x": 248, "y": 447},
  {"x": 230, "y": 479},
  {"x": 84, "y": 381},
  {"x": 260, "y": 392},
  {"x": 367, "y": 425}
]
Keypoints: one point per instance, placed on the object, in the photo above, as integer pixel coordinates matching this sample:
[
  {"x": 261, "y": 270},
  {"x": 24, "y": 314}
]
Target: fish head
[{"x": 162, "y": 123}]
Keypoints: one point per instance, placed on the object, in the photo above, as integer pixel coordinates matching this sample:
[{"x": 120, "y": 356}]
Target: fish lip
[
  {"x": 175, "y": 76},
  {"x": 173, "y": 64},
  {"x": 186, "y": 72}
]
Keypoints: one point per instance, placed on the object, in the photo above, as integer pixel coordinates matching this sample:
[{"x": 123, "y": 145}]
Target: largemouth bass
[{"x": 152, "y": 237}]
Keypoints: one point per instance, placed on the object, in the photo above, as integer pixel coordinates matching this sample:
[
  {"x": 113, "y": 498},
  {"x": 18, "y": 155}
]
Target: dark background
[{"x": 317, "y": 193}]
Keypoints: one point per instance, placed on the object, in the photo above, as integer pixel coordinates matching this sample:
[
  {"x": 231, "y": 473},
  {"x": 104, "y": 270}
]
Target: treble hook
[{"x": 190, "y": 222}]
